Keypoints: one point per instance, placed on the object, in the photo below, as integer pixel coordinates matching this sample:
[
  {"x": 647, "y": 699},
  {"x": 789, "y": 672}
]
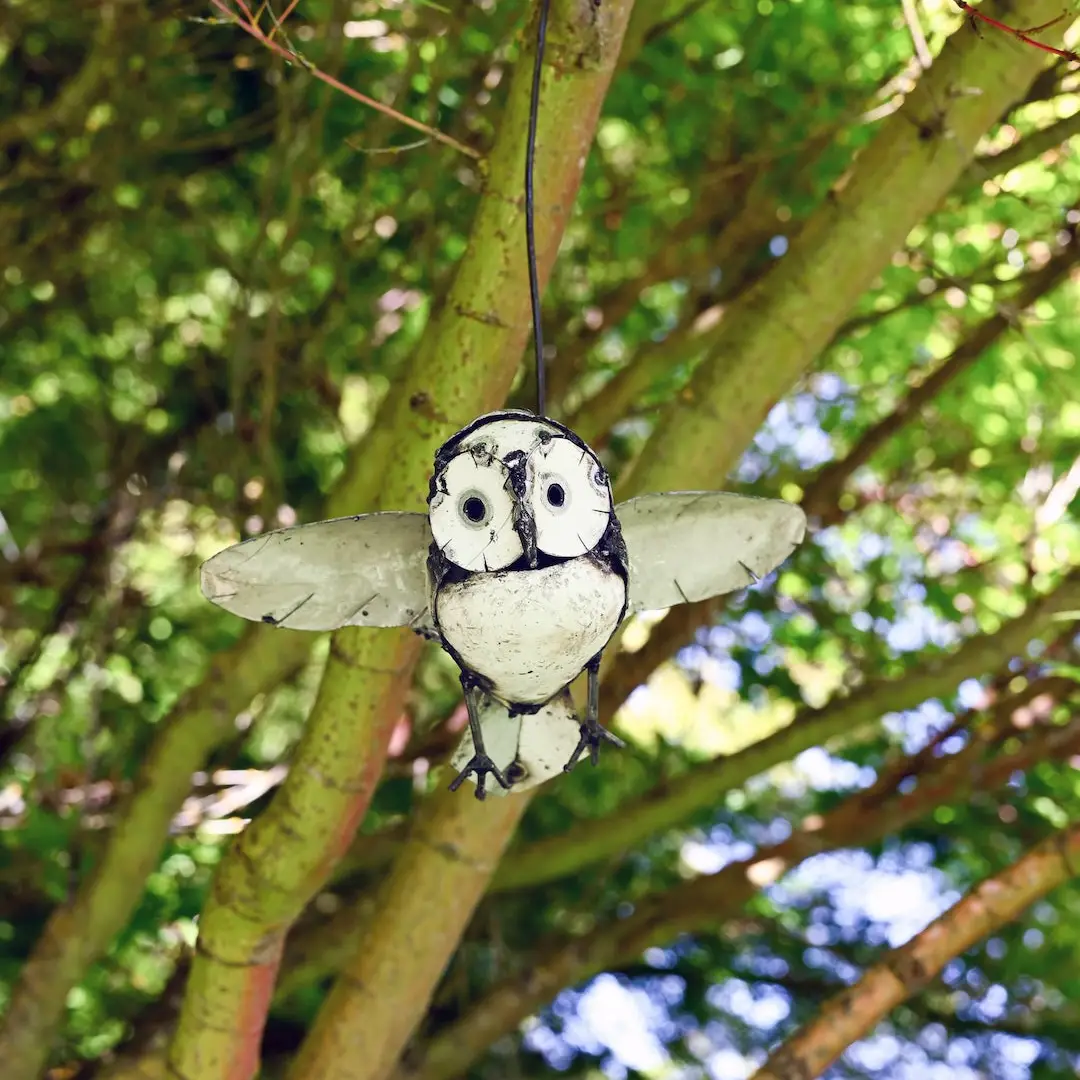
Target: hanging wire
[{"x": 530, "y": 230}]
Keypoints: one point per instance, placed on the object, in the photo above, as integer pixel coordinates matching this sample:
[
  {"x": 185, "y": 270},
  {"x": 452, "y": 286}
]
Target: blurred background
[{"x": 216, "y": 269}]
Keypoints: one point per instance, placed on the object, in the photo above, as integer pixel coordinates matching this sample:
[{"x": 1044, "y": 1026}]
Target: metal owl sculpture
[{"x": 522, "y": 569}]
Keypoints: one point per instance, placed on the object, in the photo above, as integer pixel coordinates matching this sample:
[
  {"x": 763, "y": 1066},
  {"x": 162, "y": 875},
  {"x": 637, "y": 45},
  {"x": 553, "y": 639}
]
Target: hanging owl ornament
[{"x": 522, "y": 569}]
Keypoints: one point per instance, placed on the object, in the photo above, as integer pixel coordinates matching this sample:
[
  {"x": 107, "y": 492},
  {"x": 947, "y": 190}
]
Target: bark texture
[
  {"x": 854, "y": 1012},
  {"x": 463, "y": 367}
]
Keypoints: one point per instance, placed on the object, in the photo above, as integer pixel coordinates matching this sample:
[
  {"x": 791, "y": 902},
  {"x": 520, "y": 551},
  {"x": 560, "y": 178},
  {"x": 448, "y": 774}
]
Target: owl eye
[
  {"x": 472, "y": 514},
  {"x": 475, "y": 510},
  {"x": 570, "y": 498}
]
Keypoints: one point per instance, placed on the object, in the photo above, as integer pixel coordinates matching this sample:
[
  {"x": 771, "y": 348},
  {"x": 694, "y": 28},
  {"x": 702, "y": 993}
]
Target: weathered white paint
[
  {"x": 531, "y": 631},
  {"x": 691, "y": 545},
  {"x": 501, "y": 437},
  {"x": 575, "y": 527},
  {"x": 369, "y": 570},
  {"x": 541, "y": 743},
  {"x": 491, "y": 544}
]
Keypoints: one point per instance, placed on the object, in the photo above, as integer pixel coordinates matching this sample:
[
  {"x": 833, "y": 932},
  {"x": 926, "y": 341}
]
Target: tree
[{"x": 793, "y": 259}]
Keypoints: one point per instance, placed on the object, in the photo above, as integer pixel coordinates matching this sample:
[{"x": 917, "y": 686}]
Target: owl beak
[
  {"x": 524, "y": 522},
  {"x": 526, "y": 529}
]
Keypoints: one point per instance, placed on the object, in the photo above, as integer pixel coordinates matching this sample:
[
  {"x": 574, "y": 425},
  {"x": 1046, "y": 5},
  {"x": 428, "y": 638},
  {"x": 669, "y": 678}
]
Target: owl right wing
[
  {"x": 369, "y": 570},
  {"x": 693, "y": 545}
]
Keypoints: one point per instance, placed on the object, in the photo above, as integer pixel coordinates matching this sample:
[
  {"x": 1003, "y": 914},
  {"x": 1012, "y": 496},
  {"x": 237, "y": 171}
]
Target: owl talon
[
  {"x": 592, "y": 735},
  {"x": 480, "y": 764}
]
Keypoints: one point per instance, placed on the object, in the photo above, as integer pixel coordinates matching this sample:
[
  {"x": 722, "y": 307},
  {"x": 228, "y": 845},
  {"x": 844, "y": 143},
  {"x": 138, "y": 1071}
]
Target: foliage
[{"x": 235, "y": 298}]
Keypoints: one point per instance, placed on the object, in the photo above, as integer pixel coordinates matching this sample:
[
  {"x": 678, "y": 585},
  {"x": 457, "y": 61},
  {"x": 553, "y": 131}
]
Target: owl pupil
[
  {"x": 556, "y": 495},
  {"x": 474, "y": 509}
]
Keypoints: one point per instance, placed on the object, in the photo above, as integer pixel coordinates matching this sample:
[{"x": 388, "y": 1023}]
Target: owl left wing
[
  {"x": 692, "y": 545},
  {"x": 369, "y": 570}
]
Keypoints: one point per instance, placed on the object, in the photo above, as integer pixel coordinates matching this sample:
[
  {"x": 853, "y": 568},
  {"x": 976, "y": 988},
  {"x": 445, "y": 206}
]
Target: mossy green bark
[
  {"x": 769, "y": 339},
  {"x": 464, "y": 366},
  {"x": 420, "y": 914},
  {"x": 705, "y": 786},
  {"x": 708, "y": 902},
  {"x": 79, "y": 931}
]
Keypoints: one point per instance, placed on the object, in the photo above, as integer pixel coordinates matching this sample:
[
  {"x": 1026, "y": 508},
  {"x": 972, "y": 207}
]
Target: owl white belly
[{"x": 531, "y": 631}]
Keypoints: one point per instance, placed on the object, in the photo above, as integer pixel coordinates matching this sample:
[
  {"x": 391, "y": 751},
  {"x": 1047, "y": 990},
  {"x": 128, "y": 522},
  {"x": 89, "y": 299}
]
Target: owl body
[
  {"x": 522, "y": 569},
  {"x": 527, "y": 567},
  {"x": 528, "y": 633}
]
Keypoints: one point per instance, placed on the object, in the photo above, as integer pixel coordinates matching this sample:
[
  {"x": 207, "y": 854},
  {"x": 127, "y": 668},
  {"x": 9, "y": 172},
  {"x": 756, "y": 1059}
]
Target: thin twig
[
  {"x": 918, "y": 38},
  {"x": 669, "y": 24},
  {"x": 278, "y": 23},
  {"x": 1020, "y": 35},
  {"x": 292, "y": 56}
]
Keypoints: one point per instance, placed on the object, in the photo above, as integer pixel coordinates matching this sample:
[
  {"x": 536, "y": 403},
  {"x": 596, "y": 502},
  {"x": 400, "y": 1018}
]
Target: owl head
[{"x": 514, "y": 490}]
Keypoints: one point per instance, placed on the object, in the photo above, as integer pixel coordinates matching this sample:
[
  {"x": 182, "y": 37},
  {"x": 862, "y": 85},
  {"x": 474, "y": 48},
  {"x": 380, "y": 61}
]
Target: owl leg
[
  {"x": 592, "y": 734},
  {"x": 480, "y": 763}
]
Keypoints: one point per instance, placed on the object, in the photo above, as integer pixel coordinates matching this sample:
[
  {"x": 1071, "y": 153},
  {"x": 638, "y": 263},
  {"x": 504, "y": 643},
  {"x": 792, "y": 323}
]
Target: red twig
[
  {"x": 1021, "y": 35},
  {"x": 251, "y": 27},
  {"x": 289, "y": 10}
]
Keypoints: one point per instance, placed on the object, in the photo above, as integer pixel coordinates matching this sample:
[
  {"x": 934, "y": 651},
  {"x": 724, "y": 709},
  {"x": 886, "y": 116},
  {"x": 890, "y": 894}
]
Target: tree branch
[
  {"x": 855, "y": 1011},
  {"x": 464, "y": 365},
  {"x": 774, "y": 333},
  {"x": 1020, "y": 153},
  {"x": 737, "y": 249},
  {"x": 984, "y": 274},
  {"x": 384, "y": 989},
  {"x": 707, "y": 902},
  {"x": 667, "y": 806},
  {"x": 615, "y": 304},
  {"x": 824, "y": 490},
  {"x": 79, "y": 932},
  {"x": 250, "y": 25}
]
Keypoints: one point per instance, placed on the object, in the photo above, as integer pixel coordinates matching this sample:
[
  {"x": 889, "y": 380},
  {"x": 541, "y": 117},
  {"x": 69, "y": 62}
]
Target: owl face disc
[{"x": 511, "y": 487}]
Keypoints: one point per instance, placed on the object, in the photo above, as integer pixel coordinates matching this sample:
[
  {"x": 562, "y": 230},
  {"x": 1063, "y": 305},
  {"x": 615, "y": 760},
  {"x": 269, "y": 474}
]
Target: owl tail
[{"x": 537, "y": 745}]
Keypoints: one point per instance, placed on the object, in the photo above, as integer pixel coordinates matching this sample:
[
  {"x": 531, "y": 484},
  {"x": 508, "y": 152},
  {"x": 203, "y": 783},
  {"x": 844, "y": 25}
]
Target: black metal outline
[{"x": 530, "y": 227}]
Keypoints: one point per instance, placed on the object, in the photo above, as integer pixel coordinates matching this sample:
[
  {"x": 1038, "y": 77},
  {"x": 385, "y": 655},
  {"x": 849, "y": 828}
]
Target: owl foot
[
  {"x": 480, "y": 764},
  {"x": 592, "y": 735}
]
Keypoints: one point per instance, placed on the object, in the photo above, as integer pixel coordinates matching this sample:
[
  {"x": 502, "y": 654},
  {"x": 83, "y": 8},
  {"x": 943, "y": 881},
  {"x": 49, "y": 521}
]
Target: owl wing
[
  {"x": 369, "y": 570},
  {"x": 692, "y": 545},
  {"x": 541, "y": 743}
]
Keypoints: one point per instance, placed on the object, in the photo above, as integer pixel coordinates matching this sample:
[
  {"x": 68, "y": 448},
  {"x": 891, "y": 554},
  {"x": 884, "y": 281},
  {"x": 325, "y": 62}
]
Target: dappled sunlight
[
  {"x": 261, "y": 261},
  {"x": 714, "y": 720}
]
